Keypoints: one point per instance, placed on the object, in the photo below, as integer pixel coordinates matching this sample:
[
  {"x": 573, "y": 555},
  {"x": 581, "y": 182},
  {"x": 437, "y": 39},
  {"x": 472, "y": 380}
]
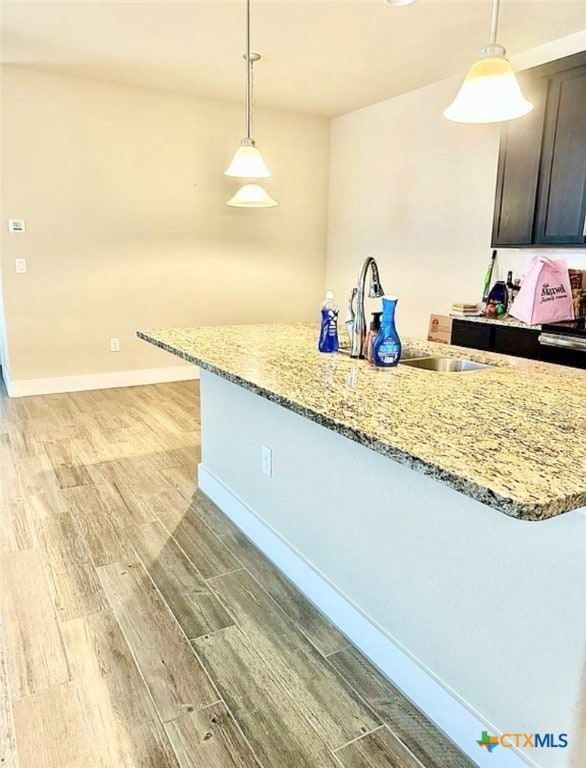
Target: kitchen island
[{"x": 436, "y": 518}]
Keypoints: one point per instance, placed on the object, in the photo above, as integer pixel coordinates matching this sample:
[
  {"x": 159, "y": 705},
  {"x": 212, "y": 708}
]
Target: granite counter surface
[{"x": 512, "y": 436}]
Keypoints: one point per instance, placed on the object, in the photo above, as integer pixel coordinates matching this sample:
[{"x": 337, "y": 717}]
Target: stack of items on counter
[
  {"x": 462, "y": 309},
  {"x": 578, "y": 285}
]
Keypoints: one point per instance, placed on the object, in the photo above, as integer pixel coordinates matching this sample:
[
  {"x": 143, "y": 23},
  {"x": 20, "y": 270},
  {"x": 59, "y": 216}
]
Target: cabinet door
[
  {"x": 518, "y": 171},
  {"x": 521, "y": 342},
  {"x": 561, "y": 210},
  {"x": 470, "y": 334}
]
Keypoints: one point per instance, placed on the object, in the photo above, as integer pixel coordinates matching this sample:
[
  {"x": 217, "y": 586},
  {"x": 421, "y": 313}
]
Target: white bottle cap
[{"x": 329, "y": 294}]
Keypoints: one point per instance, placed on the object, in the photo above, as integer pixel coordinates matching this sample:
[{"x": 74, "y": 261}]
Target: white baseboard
[
  {"x": 57, "y": 384},
  {"x": 434, "y": 700}
]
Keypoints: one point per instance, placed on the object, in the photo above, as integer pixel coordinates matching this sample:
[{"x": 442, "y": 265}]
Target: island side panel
[{"x": 493, "y": 607}]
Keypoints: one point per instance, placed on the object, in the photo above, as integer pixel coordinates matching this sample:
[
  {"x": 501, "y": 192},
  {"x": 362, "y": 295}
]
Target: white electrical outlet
[
  {"x": 20, "y": 266},
  {"x": 267, "y": 461},
  {"x": 114, "y": 345}
]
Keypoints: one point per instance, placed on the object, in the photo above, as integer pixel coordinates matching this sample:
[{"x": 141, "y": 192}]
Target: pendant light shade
[
  {"x": 247, "y": 162},
  {"x": 252, "y": 196},
  {"x": 490, "y": 93}
]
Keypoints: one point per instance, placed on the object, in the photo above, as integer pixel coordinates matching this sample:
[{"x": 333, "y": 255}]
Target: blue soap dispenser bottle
[
  {"x": 386, "y": 345},
  {"x": 328, "y": 335}
]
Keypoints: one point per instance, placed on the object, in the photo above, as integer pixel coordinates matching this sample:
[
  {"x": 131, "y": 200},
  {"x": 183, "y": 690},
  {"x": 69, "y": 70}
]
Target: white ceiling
[{"x": 325, "y": 57}]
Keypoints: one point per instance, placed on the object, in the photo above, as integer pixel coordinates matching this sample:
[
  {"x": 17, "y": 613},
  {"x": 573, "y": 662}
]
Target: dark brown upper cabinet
[{"x": 541, "y": 181}]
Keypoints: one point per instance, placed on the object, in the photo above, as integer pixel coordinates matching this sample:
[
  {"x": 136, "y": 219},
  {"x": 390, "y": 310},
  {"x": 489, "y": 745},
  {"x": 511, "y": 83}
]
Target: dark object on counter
[
  {"x": 374, "y": 329},
  {"x": 488, "y": 276},
  {"x": 498, "y": 299},
  {"x": 513, "y": 287},
  {"x": 510, "y": 287}
]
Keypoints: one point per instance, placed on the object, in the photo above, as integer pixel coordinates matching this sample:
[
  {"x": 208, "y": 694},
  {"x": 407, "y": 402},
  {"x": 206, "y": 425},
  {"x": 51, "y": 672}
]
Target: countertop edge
[{"x": 527, "y": 512}]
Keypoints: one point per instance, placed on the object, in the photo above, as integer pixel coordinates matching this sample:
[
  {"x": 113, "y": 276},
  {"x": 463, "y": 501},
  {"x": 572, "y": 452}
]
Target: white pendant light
[
  {"x": 252, "y": 196},
  {"x": 490, "y": 93},
  {"x": 248, "y": 162}
]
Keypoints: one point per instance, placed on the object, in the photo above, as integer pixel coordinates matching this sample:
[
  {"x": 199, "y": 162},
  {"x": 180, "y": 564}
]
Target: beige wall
[
  {"x": 417, "y": 192},
  {"x": 3, "y": 343},
  {"x": 123, "y": 194}
]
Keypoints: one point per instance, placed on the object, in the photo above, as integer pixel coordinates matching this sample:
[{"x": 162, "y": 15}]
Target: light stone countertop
[{"x": 512, "y": 436}]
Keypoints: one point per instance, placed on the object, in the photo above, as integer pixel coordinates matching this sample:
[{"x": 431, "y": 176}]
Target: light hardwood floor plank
[
  {"x": 36, "y": 657},
  {"x": 270, "y": 719},
  {"x": 17, "y": 528},
  {"x": 136, "y": 485},
  {"x": 122, "y": 721},
  {"x": 402, "y": 718},
  {"x": 318, "y": 629},
  {"x": 168, "y": 503},
  {"x": 66, "y": 464},
  {"x": 205, "y": 550},
  {"x": 196, "y": 609},
  {"x": 303, "y": 672},
  {"x": 209, "y": 738},
  {"x": 47, "y": 418},
  {"x": 172, "y": 673},
  {"x": 10, "y": 487},
  {"x": 8, "y": 757},
  {"x": 212, "y": 516},
  {"x": 37, "y": 478},
  {"x": 98, "y": 514},
  {"x": 182, "y": 479},
  {"x": 50, "y": 730},
  {"x": 24, "y": 437},
  {"x": 76, "y": 586},
  {"x": 379, "y": 749}
]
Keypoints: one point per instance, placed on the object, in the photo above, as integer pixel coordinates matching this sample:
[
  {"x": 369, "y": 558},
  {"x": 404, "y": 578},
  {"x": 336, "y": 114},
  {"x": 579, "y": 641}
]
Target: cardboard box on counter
[
  {"x": 578, "y": 283},
  {"x": 577, "y": 279},
  {"x": 440, "y": 329}
]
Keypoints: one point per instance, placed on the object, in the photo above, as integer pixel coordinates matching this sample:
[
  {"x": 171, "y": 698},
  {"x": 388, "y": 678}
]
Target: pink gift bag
[{"x": 546, "y": 294}]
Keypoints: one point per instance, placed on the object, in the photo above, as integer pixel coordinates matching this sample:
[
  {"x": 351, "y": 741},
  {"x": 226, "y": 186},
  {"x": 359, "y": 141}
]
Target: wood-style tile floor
[{"x": 140, "y": 629}]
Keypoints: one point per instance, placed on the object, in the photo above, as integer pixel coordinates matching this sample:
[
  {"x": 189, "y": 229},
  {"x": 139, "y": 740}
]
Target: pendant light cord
[
  {"x": 494, "y": 22},
  {"x": 248, "y": 75},
  {"x": 251, "y": 112},
  {"x": 250, "y": 59}
]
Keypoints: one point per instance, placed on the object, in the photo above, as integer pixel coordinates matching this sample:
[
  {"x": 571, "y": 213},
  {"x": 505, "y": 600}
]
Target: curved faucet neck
[{"x": 376, "y": 290}]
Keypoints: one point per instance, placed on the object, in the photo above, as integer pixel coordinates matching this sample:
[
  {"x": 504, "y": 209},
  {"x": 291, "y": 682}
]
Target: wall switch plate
[
  {"x": 114, "y": 345},
  {"x": 267, "y": 461},
  {"x": 20, "y": 266},
  {"x": 16, "y": 226}
]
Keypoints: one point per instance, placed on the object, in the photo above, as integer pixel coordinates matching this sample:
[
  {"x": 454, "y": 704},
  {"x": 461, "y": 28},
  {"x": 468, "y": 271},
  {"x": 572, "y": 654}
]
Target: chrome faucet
[{"x": 357, "y": 330}]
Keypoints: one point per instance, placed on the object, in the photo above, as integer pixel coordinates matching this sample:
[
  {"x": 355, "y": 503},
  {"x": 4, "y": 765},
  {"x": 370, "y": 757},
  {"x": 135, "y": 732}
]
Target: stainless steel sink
[
  {"x": 413, "y": 354},
  {"x": 406, "y": 354},
  {"x": 445, "y": 364}
]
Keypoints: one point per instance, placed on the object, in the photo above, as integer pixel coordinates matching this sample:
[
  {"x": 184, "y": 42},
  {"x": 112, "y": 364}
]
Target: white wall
[
  {"x": 492, "y": 607},
  {"x": 417, "y": 192},
  {"x": 123, "y": 194},
  {"x": 4, "y": 362}
]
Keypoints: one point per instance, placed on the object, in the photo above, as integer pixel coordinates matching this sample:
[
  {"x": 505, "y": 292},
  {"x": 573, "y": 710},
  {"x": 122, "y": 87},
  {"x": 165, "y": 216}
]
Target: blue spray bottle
[
  {"x": 386, "y": 345},
  {"x": 328, "y": 335}
]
